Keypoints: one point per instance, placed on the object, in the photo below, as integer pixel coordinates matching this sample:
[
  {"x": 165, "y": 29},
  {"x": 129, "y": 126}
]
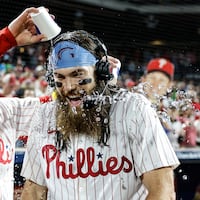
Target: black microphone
[{"x": 85, "y": 81}]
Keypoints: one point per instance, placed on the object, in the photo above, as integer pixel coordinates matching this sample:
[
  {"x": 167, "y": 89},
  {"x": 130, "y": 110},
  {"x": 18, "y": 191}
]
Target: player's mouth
[{"x": 75, "y": 101}]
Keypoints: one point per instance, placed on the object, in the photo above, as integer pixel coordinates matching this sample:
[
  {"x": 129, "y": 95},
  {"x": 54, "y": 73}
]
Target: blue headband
[{"x": 69, "y": 54}]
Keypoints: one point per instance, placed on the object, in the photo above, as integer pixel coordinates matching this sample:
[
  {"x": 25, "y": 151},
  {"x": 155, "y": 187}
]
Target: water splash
[{"x": 74, "y": 110}]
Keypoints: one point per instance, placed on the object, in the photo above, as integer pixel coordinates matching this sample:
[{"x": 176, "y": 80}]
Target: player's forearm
[
  {"x": 7, "y": 40},
  {"x": 161, "y": 196},
  {"x": 33, "y": 191},
  {"x": 160, "y": 184},
  {"x": 163, "y": 190}
]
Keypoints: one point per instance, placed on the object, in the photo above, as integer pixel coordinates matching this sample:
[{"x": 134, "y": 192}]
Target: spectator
[
  {"x": 158, "y": 78},
  {"x": 155, "y": 84}
]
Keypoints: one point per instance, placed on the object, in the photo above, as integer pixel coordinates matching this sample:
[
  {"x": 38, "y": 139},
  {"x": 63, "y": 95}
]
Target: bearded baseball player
[
  {"x": 16, "y": 114},
  {"x": 94, "y": 141}
]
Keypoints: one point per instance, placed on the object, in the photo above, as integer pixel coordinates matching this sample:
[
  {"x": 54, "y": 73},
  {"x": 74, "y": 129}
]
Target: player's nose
[{"x": 69, "y": 84}]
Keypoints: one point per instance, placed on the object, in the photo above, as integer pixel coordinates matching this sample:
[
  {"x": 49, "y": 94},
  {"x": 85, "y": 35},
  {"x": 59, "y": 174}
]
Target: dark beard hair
[{"x": 92, "y": 122}]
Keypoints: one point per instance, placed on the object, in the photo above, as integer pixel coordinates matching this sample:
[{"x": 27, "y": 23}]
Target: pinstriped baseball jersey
[
  {"x": 137, "y": 144},
  {"x": 15, "y": 117}
]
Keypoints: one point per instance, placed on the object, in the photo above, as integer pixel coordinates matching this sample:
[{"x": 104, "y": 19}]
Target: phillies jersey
[
  {"x": 15, "y": 117},
  {"x": 87, "y": 170}
]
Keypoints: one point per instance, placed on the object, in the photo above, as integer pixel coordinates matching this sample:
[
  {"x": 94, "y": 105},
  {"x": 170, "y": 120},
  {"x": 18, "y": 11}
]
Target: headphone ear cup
[{"x": 103, "y": 71}]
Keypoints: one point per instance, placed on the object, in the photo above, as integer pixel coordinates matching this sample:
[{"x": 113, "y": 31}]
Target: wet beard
[
  {"x": 78, "y": 121},
  {"x": 73, "y": 121}
]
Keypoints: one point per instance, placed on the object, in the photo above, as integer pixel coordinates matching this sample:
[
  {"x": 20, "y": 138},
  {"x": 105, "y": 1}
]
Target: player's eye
[
  {"x": 59, "y": 76},
  {"x": 78, "y": 73}
]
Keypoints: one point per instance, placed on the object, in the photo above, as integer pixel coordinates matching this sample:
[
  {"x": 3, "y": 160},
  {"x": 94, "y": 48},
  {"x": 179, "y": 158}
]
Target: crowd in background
[{"x": 22, "y": 74}]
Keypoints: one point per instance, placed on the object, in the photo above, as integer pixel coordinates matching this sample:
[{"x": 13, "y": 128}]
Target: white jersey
[
  {"x": 137, "y": 144},
  {"x": 15, "y": 117}
]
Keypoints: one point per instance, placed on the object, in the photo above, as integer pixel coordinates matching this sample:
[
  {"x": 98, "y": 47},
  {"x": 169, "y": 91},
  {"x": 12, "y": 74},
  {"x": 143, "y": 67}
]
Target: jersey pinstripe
[
  {"x": 88, "y": 171},
  {"x": 15, "y": 117}
]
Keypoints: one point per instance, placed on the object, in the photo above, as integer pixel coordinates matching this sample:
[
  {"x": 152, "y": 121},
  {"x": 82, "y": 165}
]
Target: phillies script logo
[
  {"x": 5, "y": 157},
  {"x": 113, "y": 165}
]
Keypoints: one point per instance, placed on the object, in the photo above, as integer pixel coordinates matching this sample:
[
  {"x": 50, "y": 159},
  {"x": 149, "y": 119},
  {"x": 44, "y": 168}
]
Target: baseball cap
[{"x": 161, "y": 64}]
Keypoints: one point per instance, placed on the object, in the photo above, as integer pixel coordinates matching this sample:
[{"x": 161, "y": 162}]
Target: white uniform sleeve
[
  {"x": 150, "y": 145},
  {"x": 17, "y": 113},
  {"x": 32, "y": 167}
]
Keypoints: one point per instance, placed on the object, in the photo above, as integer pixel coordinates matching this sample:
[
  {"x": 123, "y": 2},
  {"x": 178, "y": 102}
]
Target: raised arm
[{"x": 21, "y": 31}]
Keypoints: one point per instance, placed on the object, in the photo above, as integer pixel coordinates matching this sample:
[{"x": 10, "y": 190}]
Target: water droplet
[
  {"x": 83, "y": 115},
  {"x": 98, "y": 109},
  {"x": 105, "y": 121},
  {"x": 81, "y": 91},
  {"x": 98, "y": 119},
  {"x": 185, "y": 177},
  {"x": 180, "y": 171},
  {"x": 74, "y": 110}
]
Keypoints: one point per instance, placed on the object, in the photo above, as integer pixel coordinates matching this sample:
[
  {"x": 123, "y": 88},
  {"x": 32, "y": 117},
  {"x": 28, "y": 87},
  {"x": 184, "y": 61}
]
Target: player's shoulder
[
  {"x": 45, "y": 109},
  {"x": 18, "y": 102},
  {"x": 132, "y": 97}
]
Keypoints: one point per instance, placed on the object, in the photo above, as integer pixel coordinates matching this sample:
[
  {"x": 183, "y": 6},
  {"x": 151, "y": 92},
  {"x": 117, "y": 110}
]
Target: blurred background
[{"x": 134, "y": 31}]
